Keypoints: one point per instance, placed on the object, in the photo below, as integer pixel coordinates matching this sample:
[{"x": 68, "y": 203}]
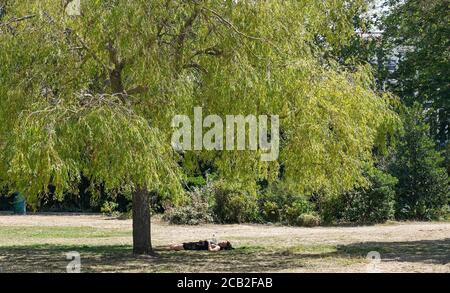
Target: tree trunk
[{"x": 142, "y": 244}]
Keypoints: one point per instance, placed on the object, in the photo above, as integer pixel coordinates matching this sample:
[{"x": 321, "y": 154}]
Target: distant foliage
[
  {"x": 417, "y": 31},
  {"x": 198, "y": 210},
  {"x": 308, "y": 220},
  {"x": 423, "y": 187},
  {"x": 447, "y": 158},
  {"x": 193, "y": 214},
  {"x": 371, "y": 204},
  {"x": 109, "y": 208},
  {"x": 234, "y": 205},
  {"x": 278, "y": 204},
  {"x": 222, "y": 202}
]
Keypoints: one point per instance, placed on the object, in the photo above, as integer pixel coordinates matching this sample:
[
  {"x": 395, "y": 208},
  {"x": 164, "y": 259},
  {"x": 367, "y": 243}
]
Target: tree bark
[{"x": 142, "y": 244}]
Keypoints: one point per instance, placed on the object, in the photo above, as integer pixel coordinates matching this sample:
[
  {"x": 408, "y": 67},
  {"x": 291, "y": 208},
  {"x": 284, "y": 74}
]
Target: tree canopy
[
  {"x": 94, "y": 94},
  {"x": 416, "y": 32}
]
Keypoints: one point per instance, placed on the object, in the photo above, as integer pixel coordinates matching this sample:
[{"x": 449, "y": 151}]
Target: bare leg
[{"x": 176, "y": 247}]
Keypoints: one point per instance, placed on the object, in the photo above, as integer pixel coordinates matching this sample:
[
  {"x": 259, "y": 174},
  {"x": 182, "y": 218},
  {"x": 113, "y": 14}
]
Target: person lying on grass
[{"x": 203, "y": 245}]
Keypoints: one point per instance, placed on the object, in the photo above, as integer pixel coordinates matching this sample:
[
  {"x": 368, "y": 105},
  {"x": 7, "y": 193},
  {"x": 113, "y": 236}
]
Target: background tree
[
  {"x": 416, "y": 32},
  {"x": 367, "y": 205},
  {"x": 423, "y": 189},
  {"x": 94, "y": 95}
]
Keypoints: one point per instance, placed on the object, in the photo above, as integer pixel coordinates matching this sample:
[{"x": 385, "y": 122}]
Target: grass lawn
[{"x": 39, "y": 243}]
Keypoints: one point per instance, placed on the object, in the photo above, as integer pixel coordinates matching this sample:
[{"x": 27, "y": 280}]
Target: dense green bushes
[
  {"x": 416, "y": 187},
  {"x": 418, "y": 191},
  {"x": 197, "y": 211},
  {"x": 214, "y": 202},
  {"x": 307, "y": 220},
  {"x": 278, "y": 204},
  {"x": 373, "y": 204},
  {"x": 232, "y": 205},
  {"x": 222, "y": 203}
]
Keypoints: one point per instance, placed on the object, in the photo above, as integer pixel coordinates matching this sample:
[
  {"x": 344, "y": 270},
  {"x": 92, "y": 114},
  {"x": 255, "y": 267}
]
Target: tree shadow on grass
[
  {"x": 423, "y": 251},
  {"x": 117, "y": 258}
]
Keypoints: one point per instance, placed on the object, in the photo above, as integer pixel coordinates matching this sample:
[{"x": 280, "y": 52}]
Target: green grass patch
[
  {"x": 312, "y": 249},
  {"x": 60, "y": 232}
]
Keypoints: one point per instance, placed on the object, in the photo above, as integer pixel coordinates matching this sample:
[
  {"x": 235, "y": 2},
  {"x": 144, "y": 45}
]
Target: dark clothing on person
[{"x": 200, "y": 245}]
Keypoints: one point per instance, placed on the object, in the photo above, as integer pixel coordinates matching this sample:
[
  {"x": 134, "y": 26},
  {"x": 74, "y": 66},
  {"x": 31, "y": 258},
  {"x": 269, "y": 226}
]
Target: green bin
[{"x": 19, "y": 204}]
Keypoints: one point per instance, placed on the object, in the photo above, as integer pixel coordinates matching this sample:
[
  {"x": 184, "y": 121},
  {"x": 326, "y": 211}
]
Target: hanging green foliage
[{"x": 95, "y": 94}]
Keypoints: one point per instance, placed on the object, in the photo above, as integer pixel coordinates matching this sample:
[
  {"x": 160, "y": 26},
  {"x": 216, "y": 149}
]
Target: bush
[
  {"x": 215, "y": 202},
  {"x": 447, "y": 158},
  {"x": 187, "y": 215},
  {"x": 195, "y": 181},
  {"x": 109, "y": 208},
  {"x": 308, "y": 220},
  {"x": 270, "y": 211},
  {"x": 278, "y": 204},
  {"x": 233, "y": 205},
  {"x": 197, "y": 211},
  {"x": 445, "y": 216},
  {"x": 373, "y": 204},
  {"x": 292, "y": 213}
]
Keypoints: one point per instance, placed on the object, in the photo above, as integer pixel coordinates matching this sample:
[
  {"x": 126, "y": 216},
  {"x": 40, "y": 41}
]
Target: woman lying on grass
[{"x": 203, "y": 245}]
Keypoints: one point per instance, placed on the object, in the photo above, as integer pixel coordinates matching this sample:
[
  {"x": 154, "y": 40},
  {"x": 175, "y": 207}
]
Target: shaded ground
[{"x": 39, "y": 243}]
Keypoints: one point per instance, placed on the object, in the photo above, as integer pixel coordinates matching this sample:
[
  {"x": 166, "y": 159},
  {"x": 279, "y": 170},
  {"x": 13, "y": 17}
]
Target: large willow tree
[{"x": 93, "y": 95}]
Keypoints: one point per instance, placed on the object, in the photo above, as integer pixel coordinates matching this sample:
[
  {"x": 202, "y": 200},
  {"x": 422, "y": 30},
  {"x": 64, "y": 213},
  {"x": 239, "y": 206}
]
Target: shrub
[
  {"x": 447, "y": 158},
  {"x": 297, "y": 209},
  {"x": 445, "y": 216},
  {"x": 373, "y": 204},
  {"x": 270, "y": 211},
  {"x": 187, "y": 215},
  {"x": 215, "y": 202},
  {"x": 279, "y": 204},
  {"x": 233, "y": 205},
  {"x": 197, "y": 211},
  {"x": 308, "y": 220},
  {"x": 109, "y": 208},
  {"x": 195, "y": 181}
]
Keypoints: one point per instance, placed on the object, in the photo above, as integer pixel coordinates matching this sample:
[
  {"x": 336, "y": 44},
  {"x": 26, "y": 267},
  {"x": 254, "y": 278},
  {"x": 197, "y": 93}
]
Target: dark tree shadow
[
  {"x": 118, "y": 258},
  {"x": 424, "y": 251}
]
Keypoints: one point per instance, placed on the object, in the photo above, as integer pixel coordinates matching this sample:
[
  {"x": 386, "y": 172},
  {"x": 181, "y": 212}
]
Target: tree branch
[
  {"x": 115, "y": 74},
  {"x": 234, "y": 28},
  {"x": 179, "y": 41}
]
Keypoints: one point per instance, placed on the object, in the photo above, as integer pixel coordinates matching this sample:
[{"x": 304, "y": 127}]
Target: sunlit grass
[{"x": 59, "y": 232}]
